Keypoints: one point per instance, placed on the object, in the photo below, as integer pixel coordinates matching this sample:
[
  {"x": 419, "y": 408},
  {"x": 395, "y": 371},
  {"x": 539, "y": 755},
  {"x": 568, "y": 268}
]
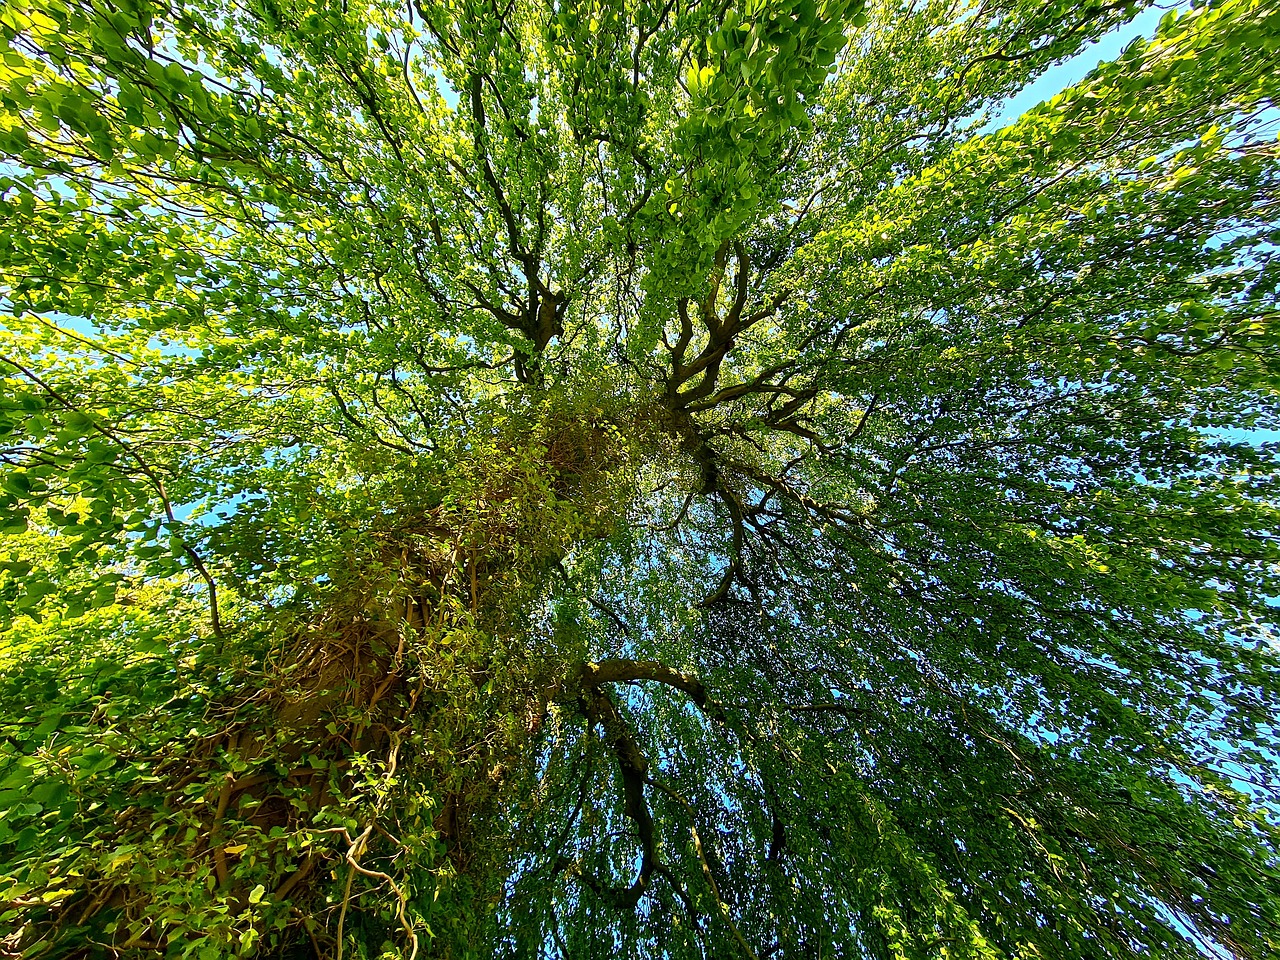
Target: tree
[{"x": 643, "y": 479}]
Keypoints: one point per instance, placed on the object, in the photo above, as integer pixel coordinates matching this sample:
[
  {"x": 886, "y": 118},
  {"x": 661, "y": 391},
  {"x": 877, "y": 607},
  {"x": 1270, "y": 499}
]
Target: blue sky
[{"x": 1056, "y": 79}]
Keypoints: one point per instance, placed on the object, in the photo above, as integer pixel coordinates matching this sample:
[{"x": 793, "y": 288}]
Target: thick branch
[
  {"x": 633, "y": 767},
  {"x": 613, "y": 671}
]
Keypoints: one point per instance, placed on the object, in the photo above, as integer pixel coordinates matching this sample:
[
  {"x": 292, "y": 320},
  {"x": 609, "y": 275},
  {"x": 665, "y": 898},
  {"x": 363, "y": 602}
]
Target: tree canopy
[{"x": 653, "y": 478}]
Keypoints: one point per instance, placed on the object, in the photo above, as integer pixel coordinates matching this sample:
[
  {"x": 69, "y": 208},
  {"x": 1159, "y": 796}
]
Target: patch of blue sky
[
  {"x": 1058, "y": 78},
  {"x": 447, "y": 92},
  {"x": 86, "y": 328}
]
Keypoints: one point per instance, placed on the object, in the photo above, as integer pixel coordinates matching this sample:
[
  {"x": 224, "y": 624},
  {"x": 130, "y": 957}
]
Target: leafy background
[{"x": 681, "y": 480}]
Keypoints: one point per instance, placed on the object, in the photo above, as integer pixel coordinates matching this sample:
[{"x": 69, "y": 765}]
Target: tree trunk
[{"x": 348, "y": 793}]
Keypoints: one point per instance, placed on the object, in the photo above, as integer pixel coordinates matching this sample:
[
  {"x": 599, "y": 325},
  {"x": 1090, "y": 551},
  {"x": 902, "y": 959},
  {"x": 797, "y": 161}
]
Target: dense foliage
[{"x": 654, "y": 478}]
